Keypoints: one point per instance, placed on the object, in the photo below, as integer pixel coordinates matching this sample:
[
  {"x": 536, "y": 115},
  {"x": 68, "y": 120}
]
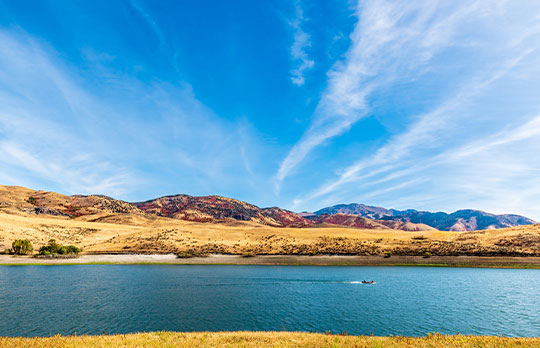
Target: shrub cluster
[
  {"x": 21, "y": 247},
  {"x": 189, "y": 254},
  {"x": 53, "y": 248}
]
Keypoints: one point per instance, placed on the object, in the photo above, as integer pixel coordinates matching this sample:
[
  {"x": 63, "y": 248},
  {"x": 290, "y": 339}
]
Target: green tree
[
  {"x": 54, "y": 248},
  {"x": 72, "y": 249},
  {"x": 21, "y": 247},
  {"x": 51, "y": 248}
]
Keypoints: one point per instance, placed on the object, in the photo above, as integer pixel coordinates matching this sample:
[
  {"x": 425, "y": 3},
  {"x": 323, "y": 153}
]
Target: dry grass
[
  {"x": 129, "y": 233},
  {"x": 266, "y": 339},
  {"x": 101, "y": 225}
]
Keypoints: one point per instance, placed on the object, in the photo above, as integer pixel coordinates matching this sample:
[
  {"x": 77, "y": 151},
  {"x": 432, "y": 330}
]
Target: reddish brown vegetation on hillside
[
  {"x": 286, "y": 218},
  {"x": 348, "y": 220},
  {"x": 205, "y": 209}
]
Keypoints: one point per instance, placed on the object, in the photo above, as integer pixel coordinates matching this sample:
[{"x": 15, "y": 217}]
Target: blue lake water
[{"x": 95, "y": 299}]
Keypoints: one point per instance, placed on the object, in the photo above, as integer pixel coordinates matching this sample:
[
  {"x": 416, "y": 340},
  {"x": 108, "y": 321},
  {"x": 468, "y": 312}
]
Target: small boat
[{"x": 365, "y": 282}]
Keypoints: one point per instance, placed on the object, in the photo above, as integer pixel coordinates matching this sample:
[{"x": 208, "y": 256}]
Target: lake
[{"x": 412, "y": 301}]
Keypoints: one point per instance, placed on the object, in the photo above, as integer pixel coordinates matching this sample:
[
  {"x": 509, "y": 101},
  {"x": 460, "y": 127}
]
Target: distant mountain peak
[
  {"x": 368, "y": 211},
  {"x": 460, "y": 220}
]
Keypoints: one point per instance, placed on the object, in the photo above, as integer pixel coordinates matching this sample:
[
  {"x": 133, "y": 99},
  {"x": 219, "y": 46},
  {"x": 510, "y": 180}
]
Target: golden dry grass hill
[{"x": 100, "y": 224}]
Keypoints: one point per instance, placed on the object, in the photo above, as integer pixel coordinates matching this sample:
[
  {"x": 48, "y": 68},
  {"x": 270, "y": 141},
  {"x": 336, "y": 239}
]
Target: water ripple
[{"x": 94, "y": 299}]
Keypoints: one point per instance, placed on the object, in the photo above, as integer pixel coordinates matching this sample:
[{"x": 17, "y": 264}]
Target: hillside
[
  {"x": 461, "y": 220},
  {"x": 133, "y": 233},
  {"x": 349, "y": 220},
  {"x": 286, "y": 217},
  {"x": 406, "y": 226},
  {"x": 363, "y": 210},
  {"x": 214, "y": 224},
  {"x": 217, "y": 209},
  {"x": 206, "y": 209},
  {"x": 464, "y": 220},
  {"x": 22, "y": 200},
  {"x": 356, "y": 221}
]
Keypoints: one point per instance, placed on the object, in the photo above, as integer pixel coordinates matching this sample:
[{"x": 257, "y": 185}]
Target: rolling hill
[
  {"x": 217, "y": 209},
  {"x": 206, "y": 209},
  {"x": 357, "y": 221},
  {"x": 214, "y": 224},
  {"x": 20, "y": 199}
]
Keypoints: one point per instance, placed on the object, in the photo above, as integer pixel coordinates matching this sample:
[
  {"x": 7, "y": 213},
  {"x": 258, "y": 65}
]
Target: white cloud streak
[
  {"x": 422, "y": 134},
  {"x": 61, "y": 133},
  {"x": 390, "y": 41},
  {"x": 298, "y": 49},
  {"x": 150, "y": 21},
  {"x": 457, "y": 156}
]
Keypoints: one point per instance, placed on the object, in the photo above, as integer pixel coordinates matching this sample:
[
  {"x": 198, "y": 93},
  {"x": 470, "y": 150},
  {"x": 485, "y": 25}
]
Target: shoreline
[{"x": 281, "y": 260}]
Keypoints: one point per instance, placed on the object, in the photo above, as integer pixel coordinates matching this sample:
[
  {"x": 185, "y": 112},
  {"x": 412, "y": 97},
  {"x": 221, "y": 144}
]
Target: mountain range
[
  {"x": 461, "y": 220},
  {"x": 217, "y": 209}
]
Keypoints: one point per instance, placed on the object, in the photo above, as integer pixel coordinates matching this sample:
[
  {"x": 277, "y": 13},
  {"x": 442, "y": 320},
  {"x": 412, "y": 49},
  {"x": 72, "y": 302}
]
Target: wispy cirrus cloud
[
  {"x": 105, "y": 135},
  {"x": 421, "y": 135},
  {"x": 391, "y": 42},
  {"x": 138, "y": 6},
  {"x": 477, "y": 148},
  {"x": 34, "y": 92},
  {"x": 301, "y": 42}
]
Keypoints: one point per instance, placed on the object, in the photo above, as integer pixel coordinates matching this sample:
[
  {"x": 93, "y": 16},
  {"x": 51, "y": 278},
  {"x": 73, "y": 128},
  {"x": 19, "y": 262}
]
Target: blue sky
[{"x": 427, "y": 105}]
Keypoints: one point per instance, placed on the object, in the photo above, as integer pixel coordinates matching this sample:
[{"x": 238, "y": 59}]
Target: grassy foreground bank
[{"x": 265, "y": 339}]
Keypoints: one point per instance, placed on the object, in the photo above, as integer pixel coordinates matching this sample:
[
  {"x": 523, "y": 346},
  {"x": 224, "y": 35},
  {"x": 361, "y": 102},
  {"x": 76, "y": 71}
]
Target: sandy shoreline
[{"x": 322, "y": 260}]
